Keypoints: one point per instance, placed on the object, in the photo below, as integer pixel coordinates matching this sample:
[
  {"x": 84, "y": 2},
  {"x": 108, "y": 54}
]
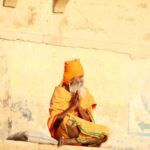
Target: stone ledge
[
  {"x": 133, "y": 51},
  {"x": 17, "y": 145}
]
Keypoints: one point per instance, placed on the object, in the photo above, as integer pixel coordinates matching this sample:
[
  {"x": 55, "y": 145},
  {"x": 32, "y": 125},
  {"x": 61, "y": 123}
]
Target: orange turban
[{"x": 72, "y": 68}]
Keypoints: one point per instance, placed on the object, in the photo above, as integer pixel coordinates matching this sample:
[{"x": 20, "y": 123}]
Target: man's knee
[
  {"x": 72, "y": 129},
  {"x": 69, "y": 123}
]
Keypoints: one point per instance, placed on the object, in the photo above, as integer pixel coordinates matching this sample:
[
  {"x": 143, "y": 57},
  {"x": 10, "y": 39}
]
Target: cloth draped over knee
[{"x": 60, "y": 102}]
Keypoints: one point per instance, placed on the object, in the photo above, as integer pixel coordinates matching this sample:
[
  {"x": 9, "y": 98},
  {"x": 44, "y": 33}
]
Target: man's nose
[{"x": 80, "y": 80}]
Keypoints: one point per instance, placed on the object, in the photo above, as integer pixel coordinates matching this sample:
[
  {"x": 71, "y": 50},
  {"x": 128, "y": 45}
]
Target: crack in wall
[
  {"x": 129, "y": 55},
  {"x": 63, "y": 45}
]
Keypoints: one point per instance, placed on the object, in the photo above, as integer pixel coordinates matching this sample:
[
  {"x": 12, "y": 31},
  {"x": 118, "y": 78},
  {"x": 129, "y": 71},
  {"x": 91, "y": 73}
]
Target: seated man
[{"x": 71, "y": 121}]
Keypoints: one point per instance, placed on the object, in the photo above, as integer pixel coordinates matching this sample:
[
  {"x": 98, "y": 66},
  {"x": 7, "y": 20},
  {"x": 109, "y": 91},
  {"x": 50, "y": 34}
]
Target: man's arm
[
  {"x": 74, "y": 104},
  {"x": 62, "y": 115},
  {"x": 84, "y": 114}
]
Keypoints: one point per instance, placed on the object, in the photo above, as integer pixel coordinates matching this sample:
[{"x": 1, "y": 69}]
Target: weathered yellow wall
[
  {"x": 120, "y": 26},
  {"x": 112, "y": 40}
]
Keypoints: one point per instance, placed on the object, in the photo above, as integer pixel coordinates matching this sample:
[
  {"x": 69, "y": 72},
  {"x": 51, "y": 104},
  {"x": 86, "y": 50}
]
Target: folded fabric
[{"x": 32, "y": 136}]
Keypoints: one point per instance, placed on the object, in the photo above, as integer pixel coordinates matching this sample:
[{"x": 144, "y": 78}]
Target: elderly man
[{"x": 71, "y": 121}]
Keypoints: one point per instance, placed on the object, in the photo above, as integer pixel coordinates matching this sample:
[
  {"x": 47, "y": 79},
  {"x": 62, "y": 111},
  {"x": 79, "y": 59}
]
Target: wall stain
[
  {"x": 120, "y": 17},
  {"x": 1, "y": 19},
  {"x": 10, "y": 124},
  {"x": 21, "y": 106},
  {"x": 5, "y": 101},
  {"x": 142, "y": 5},
  {"x": 146, "y": 103},
  {"x": 131, "y": 19},
  {"x": 32, "y": 15},
  {"x": 146, "y": 37},
  {"x": 63, "y": 24},
  {"x": 17, "y": 24},
  {"x": 86, "y": 25}
]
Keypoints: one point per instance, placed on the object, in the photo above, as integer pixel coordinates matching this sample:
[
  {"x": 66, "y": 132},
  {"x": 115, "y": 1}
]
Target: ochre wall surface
[{"x": 112, "y": 40}]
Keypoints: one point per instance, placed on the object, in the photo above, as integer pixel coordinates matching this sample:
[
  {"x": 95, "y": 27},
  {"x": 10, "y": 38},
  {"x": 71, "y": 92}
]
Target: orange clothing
[{"x": 60, "y": 102}]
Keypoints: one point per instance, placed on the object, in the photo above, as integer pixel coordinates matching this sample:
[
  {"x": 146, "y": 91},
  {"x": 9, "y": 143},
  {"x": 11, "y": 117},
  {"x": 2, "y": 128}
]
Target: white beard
[
  {"x": 78, "y": 87},
  {"x": 82, "y": 91},
  {"x": 75, "y": 87}
]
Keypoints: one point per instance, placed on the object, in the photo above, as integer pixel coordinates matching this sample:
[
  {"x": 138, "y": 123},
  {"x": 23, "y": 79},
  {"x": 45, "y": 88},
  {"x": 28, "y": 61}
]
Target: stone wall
[{"x": 117, "y": 26}]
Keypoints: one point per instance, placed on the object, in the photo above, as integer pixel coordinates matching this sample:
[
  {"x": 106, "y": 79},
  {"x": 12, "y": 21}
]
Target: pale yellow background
[{"x": 112, "y": 40}]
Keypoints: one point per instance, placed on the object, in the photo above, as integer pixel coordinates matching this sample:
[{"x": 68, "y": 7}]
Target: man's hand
[
  {"x": 74, "y": 105},
  {"x": 75, "y": 101},
  {"x": 83, "y": 114}
]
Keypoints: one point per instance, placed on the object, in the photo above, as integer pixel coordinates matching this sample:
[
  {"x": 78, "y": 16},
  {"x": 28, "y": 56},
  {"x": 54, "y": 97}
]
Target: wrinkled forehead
[{"x": 76, "y": 79}]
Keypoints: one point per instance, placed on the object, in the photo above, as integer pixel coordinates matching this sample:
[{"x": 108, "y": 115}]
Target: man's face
[{"x": 75, "y": 84}]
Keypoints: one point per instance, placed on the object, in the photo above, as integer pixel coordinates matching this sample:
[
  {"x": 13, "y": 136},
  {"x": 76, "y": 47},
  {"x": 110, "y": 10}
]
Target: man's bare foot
[
  {"x": 96, "y": 142},
  {"x": 61, "y": 141},
  {"x": 103, "y": 138}
]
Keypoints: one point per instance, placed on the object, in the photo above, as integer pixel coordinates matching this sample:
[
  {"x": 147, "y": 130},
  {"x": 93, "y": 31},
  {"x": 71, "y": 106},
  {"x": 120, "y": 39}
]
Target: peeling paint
[{"x": 21, "y": 106}]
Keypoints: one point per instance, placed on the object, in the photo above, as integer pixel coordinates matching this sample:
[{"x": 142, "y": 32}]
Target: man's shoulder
[
  {"x": 58, "y": 87},
  {"x": 60, "y": 91}
]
